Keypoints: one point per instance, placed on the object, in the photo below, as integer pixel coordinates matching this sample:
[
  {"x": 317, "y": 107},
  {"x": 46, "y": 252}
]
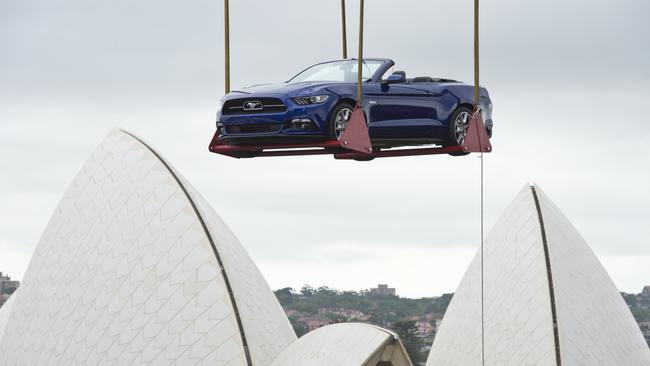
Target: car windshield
[{"x": 340, "y": 71}]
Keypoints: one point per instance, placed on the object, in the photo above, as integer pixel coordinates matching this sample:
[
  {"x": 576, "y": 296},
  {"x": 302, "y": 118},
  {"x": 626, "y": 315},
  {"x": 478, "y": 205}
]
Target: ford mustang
[{"x": 318, "y": 102}]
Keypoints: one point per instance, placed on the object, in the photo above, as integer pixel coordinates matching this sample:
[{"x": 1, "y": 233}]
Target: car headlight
[{"x": 315, "y": 99}]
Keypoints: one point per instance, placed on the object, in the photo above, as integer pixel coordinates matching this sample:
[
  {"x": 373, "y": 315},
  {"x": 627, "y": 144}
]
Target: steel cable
[{"x": 477, "y": 103}]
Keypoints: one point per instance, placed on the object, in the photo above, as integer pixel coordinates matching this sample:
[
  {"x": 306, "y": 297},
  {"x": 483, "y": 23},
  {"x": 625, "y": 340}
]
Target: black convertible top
[{"x": 428, "y": 79}]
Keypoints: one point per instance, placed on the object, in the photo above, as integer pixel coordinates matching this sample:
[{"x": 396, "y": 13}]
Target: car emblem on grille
[{"x": 253, "y": 105}]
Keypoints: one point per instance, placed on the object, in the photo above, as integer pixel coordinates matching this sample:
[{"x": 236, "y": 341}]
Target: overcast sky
[{"x": 570, "y": 82}]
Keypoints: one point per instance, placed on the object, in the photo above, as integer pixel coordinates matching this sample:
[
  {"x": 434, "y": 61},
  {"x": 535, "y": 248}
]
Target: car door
[{"x": 401, "y": 111}]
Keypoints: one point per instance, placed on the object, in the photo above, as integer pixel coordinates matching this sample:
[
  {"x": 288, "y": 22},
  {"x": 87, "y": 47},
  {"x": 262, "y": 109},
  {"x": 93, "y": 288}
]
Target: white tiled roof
[
  {"x": 126, "y": 274},
  {"x": 5, "y": 310},
  {"x": 519, "y": 327},
  {"x": 594, "y": 325},
  {"x": 266, "y": 326},
  {"x": 344, "y": 344}
]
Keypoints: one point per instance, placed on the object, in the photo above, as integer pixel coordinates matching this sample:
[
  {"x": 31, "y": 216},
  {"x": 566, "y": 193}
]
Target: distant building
[
  {"x": 7, "y": 286},
  {"x": 646, "y": 291},
  {"x": 315, "y": 322},
  {"x": 438, "y": 322},
  {"x": 348, "y": 314},
  {"x": 425, "y": 328},
  {"x": 383, "y": 290}
]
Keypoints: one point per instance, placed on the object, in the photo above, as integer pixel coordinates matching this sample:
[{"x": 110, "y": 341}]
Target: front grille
[
  {"x": 253, "y": 106},
  {"x": 254, "y": 128}
]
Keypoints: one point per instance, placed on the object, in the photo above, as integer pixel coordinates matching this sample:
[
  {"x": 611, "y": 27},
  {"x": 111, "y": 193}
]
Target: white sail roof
[
  {"x": 5, "y": 310},
  {"x": 548, "y": 300},
  {"x": 345, "y": 344},
  {"x": 134, "y": 270}
]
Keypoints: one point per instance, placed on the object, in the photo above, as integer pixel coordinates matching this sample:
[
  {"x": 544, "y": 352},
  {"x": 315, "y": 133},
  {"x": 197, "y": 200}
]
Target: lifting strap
[
  {"x": 344, "y": 32},
  {"x": 477, "y": 97},
  {"x": 226, "y": 22},
  {"x": 477, "y": 104},
  {"x": 360, "y": 68}
]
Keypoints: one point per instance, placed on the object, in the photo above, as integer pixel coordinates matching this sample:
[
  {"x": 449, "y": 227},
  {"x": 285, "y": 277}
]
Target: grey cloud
[{"x": 123, "y": 47}]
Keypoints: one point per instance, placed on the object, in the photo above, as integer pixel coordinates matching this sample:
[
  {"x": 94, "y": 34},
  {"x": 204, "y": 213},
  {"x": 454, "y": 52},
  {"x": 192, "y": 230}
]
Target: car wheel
[
  {"x": 458, "y": 128},
  {"x": 339, "y": 119}
]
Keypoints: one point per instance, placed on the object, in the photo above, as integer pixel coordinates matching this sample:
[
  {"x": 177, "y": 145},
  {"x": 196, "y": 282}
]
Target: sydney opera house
[{"x": 152, "y": 276}]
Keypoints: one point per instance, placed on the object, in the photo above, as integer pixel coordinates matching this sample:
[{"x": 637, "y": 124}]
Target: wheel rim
[
  {"x": 460, "y": 127},
  {"x": 341, "y": 121}
]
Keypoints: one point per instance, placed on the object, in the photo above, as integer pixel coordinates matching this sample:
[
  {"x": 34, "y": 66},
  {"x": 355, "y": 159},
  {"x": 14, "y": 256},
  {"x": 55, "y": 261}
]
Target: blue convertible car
[{"x": 317, "y": 104}]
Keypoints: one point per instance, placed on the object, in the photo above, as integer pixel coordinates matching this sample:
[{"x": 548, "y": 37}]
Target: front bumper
[{"x": 297, "y": 122}]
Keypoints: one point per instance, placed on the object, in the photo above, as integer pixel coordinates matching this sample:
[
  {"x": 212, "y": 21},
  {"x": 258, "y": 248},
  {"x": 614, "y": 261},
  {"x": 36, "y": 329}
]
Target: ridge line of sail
[
  {"x": 549, "y": 273},
  {"x": 224, "y": 274}
]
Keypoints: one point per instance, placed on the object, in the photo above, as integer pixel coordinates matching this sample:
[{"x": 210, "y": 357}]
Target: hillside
[{"x": 415, "y": 320}]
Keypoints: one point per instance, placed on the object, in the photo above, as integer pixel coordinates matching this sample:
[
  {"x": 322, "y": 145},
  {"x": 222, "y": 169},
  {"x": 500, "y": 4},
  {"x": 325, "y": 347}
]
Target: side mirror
[{"x": 396, "y": 77}]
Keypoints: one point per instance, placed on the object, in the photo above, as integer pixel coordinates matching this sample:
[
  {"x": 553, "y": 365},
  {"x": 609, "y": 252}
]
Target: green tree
[
  {"x": 307, "y": 290},
  {"x": 285, "y": 296},
  {"x": 641, "y": 315},
  {"x": 326, "y": 291},
  {"x": 630, "y": 299},
  {"x": 299, "y": 328},
  {"x": 407, "y": 332}
]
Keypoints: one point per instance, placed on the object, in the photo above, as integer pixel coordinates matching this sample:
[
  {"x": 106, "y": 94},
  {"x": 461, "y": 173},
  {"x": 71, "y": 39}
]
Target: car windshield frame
[{"x": 368, "y": 73}]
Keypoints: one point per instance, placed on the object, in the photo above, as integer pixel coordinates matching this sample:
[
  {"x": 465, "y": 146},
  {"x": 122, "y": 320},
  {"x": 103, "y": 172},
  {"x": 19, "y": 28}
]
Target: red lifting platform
[{"x": 355, "y": 144}]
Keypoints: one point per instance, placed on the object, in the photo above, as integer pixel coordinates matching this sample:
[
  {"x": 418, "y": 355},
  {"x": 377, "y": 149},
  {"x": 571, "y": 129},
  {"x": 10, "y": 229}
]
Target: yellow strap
[
  {"x": 345, "y": 32},
  {"x": 360, "y": 68},
  {"x": 226, "y": 16},
  {"x": 477, "y": 96}
]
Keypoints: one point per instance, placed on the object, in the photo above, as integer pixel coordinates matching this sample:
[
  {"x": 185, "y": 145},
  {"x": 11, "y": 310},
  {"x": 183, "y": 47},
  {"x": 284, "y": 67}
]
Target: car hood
[{"x": 288, "y": 89}]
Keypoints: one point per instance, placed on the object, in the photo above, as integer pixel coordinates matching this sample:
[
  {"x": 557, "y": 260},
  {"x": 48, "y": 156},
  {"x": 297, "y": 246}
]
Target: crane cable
[
  {"x": 226, "y": 22},
  {"x": 344, "y": 32},
  {"x": 477, "y": 109},
  {"x": 360, "y": 61}
]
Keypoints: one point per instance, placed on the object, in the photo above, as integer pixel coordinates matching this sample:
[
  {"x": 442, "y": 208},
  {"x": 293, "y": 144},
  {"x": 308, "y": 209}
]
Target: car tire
[
  {"x": 459, "y": 121},
  {"x": 341, "y": 110}
]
